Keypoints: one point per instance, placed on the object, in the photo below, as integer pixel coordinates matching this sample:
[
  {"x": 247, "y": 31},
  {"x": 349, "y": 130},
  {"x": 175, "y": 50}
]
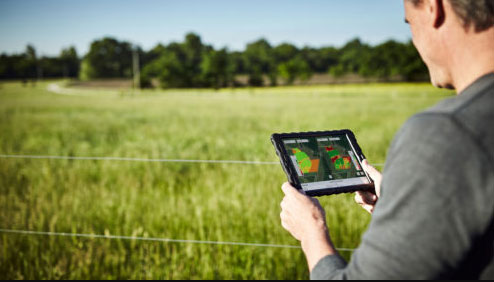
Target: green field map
[{"x": 319, "y": 159}]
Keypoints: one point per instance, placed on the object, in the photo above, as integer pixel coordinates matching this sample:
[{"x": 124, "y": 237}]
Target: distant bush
[{"x": 293, "y": 69}]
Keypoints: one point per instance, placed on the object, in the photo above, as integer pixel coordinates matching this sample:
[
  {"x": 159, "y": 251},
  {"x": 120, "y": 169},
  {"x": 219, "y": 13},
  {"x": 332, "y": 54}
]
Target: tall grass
[{"x": 216, "y": 202}]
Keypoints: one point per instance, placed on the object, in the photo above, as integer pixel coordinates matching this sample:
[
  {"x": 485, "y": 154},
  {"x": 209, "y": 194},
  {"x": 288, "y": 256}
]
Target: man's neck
[{"x": 478, "y": 61}]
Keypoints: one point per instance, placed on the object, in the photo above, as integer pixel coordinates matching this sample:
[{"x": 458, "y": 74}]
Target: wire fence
[
  {"x": 144, "y": 160},
  {"x": 146, "y": 239},
  {"x": 60, "y": 90},
  {"x": 134, "y": 238}
]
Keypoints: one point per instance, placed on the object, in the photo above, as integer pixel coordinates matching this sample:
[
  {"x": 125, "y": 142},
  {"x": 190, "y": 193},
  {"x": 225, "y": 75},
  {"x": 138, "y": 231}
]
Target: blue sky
[{"x": 51, "y": 25}]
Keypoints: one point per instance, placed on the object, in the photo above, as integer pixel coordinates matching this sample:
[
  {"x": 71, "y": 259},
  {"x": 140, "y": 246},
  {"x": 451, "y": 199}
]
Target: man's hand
[
  {"x": 368, "y": 200},
  {"x": 305, "y": 219}
]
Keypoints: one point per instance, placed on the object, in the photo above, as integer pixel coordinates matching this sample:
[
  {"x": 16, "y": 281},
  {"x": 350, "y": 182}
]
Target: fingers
[
  {"x": 285, "y": 215},
  {"x": 286, "y": 188},
  {"x": 362, "y": 201},
  {"x": 375, "y": 175},
  {"x": 284, "y": 205},
  {"x": 289, "y": 190},
  {"x": 284, "y": 219},
  {"x": 315, "y": 201},
  {"x": 368, "y": 208},
  {"x": 365, "y": 198},
  {"x": 372, "y": 171}
]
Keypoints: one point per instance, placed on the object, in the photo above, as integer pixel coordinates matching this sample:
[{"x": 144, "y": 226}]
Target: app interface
[{"x": 325, "y": 162}]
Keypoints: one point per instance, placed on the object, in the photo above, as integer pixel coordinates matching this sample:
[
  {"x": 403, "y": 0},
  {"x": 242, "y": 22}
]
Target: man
[{"x": 433, "y": 213}]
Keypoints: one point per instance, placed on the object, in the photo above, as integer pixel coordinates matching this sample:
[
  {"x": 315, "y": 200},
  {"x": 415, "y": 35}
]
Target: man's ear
[{"x": 438, "y": 12}]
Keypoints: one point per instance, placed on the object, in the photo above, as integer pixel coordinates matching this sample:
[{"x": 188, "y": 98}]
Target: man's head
[{"x": 439, "y": 29}]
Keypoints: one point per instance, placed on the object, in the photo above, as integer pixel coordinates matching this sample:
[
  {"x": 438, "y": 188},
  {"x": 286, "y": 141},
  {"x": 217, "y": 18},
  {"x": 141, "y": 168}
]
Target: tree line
[
  {"x": 28, "y": 65},
  {"x": 193, "y": 64}
]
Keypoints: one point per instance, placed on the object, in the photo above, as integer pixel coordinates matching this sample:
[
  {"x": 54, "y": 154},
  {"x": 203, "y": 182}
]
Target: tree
[
  {"x": 172, "y": 73},
  {"x": 217, "y": 69},
  {"x": 70, "y": 62},
  {"x": 295, "y": 68},
  {"x": 151, "y": 68},
  {"x": 179, "y": 64},
  {"x": 30, "y": 64},
  {"x": 52, "y": 67},
  {"x": 108, "y": 58},
  {"x": 285, "y": 52},
  {"x": 4, "y": 66},
  {"x": 320, "y": 60},
  {"x": 193, "y": 49},
  {"x": 383, "y": 61},
  {"x": 239, "y": 64},
  {"x": 351, "y": 57},
  {"x": 87, "y": 72},
  {"x": 259, "y": 61},
  {"x": 412, "y": 67},
  {"x": 10, "y": 66},
  {"x": 191, "y": 63},
  {"x": 153, "y": 54}
]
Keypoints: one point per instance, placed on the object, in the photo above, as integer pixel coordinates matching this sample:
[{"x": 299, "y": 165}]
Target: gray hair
[{"x": 479, "y": 13}]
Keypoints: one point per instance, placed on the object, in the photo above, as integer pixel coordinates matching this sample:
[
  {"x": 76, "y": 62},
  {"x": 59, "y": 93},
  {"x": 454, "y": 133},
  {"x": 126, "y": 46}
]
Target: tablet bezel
[{"x": 277, "y": 140}]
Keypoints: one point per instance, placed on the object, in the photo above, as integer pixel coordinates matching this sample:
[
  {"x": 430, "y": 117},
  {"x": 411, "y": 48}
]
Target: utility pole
[{"x": 137, "y": 70}]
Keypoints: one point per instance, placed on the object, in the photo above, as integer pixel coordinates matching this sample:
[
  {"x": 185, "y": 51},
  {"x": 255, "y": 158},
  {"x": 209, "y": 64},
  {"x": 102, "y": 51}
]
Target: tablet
[{"x": 323, "y": 163}]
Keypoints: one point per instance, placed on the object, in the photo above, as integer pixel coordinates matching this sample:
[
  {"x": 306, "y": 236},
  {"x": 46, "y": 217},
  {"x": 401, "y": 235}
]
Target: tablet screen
[{"x": 325, "y": 162}]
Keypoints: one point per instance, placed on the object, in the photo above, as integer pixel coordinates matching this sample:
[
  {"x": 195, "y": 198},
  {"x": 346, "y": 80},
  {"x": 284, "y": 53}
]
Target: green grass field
[{"x": 215, "y": 202}]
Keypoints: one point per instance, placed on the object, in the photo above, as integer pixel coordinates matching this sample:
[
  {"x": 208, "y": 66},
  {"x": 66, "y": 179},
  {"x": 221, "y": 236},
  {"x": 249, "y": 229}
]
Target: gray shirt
[{"x": 435, "y": 217}]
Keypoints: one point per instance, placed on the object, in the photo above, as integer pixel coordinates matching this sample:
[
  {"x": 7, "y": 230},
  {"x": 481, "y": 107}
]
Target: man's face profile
[{"x": 425, "y": 23}]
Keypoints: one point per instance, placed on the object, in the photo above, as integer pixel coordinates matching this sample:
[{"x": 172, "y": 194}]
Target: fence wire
[
  {"x": 144, "y": 160},
  {"x": 134, "y": 238},
  {"x": 146, "y": 239}
]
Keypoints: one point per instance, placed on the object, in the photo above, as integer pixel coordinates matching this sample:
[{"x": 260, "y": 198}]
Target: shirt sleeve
[{"x": 424, "y": 224}]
